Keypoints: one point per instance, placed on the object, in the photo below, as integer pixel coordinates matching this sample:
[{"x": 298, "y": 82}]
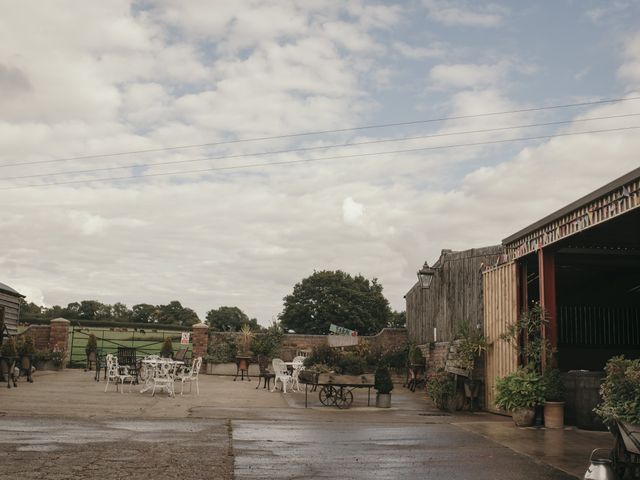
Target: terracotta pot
[
  {"x": 524, "y": 417},
  {"x": 554, "y": 414}
]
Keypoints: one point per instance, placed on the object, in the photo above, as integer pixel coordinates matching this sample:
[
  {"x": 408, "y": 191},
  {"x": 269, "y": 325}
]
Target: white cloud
[
  {"x": 352, "y": 211},
  {"x": 467, "y": 14},
  {"x": 466, "y": 75},
  {"x": 630, "y": 69}
]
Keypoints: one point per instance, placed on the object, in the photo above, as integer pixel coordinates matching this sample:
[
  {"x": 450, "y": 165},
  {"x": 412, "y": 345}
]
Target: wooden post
[{"x": 547, "y": 282}]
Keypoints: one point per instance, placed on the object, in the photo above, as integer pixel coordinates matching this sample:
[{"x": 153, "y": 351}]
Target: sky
[{"x": 213, "y": 152}]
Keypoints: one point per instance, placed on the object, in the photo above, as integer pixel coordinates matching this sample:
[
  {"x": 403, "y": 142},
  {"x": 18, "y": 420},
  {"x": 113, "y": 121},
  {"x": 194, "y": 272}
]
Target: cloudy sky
[{"x": 95, "y": 96}]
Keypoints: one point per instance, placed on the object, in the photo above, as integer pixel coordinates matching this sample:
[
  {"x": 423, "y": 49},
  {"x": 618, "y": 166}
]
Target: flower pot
[
  {"x": 383, "y": 400},
  {"x": 523, "y": 417},
  {"x": 554, "y": 414}
]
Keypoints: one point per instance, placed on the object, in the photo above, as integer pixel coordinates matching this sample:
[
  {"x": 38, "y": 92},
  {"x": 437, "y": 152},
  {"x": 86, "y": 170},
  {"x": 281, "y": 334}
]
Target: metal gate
[
  {"x": 500, "y": 288},
  {"x": 146, "y": 341}
]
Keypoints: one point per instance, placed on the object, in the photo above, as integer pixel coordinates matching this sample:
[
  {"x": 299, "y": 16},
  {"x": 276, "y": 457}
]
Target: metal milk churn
[{"x": 599, "y": 469}]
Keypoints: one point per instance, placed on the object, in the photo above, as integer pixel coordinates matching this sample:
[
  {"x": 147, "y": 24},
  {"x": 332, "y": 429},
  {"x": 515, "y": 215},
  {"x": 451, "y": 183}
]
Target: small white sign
[{"x": 185, "y": 338}]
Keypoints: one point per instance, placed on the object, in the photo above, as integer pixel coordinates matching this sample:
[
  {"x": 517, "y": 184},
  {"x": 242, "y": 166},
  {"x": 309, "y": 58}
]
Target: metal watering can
[{"x": 600, "y": 468}]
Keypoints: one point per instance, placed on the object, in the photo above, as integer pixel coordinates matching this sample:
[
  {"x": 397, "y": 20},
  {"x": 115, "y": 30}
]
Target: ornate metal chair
[
  {"x": 190, "y": 375},
  {"x": 281, "y": 374},
  {"x": 127, "y": 358},
  {"x": 117, "y": 374},
  {"x": 164, "y": 375}
]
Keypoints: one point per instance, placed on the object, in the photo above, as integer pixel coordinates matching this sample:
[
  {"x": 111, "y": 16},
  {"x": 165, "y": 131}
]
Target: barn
[{"x": 9, "y": 308}]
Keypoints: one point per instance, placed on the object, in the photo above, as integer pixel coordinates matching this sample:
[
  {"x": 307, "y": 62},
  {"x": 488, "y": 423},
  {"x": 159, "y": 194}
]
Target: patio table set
[{"x": 156, "y": 373}]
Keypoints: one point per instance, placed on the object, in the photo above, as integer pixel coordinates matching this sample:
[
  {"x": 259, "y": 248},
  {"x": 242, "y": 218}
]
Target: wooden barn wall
[
  {"x": 500, "y": 310},
  {"x": 11, "y": 307},
  {"x": 455, "y": 295}
]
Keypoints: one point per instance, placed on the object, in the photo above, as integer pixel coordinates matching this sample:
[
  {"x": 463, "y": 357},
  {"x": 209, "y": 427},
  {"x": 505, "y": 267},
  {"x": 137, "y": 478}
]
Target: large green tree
[
  {"x": 230, "y": 319},
  {"x": 328, "y": 297},
  {"x": 175, "y": 314}
]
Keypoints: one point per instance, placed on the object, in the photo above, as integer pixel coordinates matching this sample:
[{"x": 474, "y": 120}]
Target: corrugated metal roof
[{"x": 7, "y": 289}]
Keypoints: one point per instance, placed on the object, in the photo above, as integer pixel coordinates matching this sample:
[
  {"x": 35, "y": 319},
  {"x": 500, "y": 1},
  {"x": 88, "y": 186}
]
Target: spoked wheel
[
  {"x": 327, "y": 395},
  {"x": 344, "y": 398}
]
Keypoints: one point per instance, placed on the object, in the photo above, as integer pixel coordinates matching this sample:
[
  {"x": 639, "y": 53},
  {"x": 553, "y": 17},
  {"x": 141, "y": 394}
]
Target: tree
[
  {"x": 143, "y": 313},
  {"x": 328, "y": 297},
  {"x": 175, "y": 314},
  {"x": 398, "y": 320},
  {"x": 230, "y": 319},
  {"x": 30, "y": 311},
  {"x": 120, "y": 312}
]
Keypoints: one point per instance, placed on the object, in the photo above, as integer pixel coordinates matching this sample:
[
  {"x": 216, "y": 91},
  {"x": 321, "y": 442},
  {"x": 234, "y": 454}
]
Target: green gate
[{"x": 147, "y": 340}]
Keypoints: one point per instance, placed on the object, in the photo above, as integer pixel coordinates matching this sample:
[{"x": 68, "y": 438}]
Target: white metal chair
[
  {"x": 117, "y": 374},
  {"x": 190, "y": 374},
  {"x": 295, "y": 376},
  {"x": 280, "y": 370},
  {"x": 164, "y": 374}
]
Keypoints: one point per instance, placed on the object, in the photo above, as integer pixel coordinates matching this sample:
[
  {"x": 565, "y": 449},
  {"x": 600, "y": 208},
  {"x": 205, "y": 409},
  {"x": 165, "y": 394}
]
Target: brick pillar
[
  {"x": 200, "y": 341},
  {"x": 59, "y": 336}
]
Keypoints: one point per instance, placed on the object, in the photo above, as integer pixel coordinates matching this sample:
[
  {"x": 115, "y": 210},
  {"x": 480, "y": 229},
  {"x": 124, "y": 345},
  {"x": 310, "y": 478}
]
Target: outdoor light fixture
[{"x": 425, "y": 275}]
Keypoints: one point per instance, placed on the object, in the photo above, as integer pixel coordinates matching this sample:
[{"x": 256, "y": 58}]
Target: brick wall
[
  {"x": 200, "y": 341},
  {"x": 40, "y": 335},
  {"x": 59, "y": 336}
]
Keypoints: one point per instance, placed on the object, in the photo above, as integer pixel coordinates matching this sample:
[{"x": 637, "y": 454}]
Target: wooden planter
[
  {"x": 554, "y": 414},
  {"x": 524, "y": 417}
]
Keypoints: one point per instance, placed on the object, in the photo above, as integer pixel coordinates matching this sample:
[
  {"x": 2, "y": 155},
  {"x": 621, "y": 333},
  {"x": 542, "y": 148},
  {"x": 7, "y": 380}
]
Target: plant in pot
[
  {"x": 8, "y": 354},
  {"x": 243, "y": 357},
  {"x": 520, "y": 393},
  {"x": 91, "y": 351},
  {"x": 470, "y": 344},
  {"x": 167, "y": 348},
  {"x": 383, "y": 385},
  {"x": 26, "y": 352},
  {"x": 441, "y": 387},
  {"x": 58, "y": 356},
  {"x": 554, "y": 391}
]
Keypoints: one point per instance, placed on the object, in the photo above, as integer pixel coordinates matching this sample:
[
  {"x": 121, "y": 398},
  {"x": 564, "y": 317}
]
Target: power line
[
  {"x": 305, "y": 149},
  {"x": 291, "y": 162},
  {"x": 341, "y": 130}
]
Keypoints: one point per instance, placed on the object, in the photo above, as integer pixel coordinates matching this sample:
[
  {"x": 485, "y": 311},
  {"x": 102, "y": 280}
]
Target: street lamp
[{"x": 425, "y": 275}]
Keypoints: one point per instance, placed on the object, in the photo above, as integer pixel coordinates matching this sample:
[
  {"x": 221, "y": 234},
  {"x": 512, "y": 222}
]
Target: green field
[{"x": 147, "y": 341}]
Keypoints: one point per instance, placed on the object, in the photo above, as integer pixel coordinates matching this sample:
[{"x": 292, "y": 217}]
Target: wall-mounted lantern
[{"x": 425, "y": 275}]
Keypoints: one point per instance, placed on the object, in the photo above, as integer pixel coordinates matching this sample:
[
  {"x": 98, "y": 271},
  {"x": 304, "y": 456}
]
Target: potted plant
[
  {"x": 26, "y": 352},
  {"x": 167, "y": 348},
  {"x": 220, "y": 353},
  {"x": 441, "y": 387},
  {"x": 42, "y": 359},
  {"x": 554, "y": 391},
  {"x": 8, "y": 354},
  {"x": 520, "y": 393},
  {"x": 91, "y": 351},
  {"x": 58, "y": 356},
  {"x": 383, "y": 385}
]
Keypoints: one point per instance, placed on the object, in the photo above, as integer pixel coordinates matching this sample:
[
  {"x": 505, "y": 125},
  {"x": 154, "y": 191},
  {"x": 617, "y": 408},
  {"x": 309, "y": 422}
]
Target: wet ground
[{"x": 64, "y": 426}]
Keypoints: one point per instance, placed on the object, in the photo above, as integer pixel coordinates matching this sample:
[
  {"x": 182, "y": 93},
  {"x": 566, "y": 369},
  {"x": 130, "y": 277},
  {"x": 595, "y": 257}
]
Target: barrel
[{"x": 586, "y": 394}]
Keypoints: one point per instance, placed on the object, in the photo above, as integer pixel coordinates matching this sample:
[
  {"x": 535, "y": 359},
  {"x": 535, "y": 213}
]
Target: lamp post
[{"x": 425, "y": 275}]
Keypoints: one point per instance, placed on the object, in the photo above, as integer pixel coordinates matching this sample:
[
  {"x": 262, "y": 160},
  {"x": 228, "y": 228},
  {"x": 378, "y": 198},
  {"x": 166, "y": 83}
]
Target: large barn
[{"x": 9, "y": 308}]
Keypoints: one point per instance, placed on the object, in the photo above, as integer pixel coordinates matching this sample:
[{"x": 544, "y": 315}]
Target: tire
[
  {"x": 327, "y": 395},
  {"x": 344, "y": 398}
]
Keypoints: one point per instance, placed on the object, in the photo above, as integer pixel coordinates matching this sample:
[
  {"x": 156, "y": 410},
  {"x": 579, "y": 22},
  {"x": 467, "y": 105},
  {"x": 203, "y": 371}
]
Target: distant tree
[
  {"x": 143, "y": 313},
  {"x": 120, "y": 312},
  {"x": 398, "y": 320},
  {"x": 328, "y": 297},
  {"x": 71, "y": 311},
  {"x": 30, "y": 311},
  {"x": 89, "y": 309},
  {"x": 175, "y": 314},
  {"x": 230, "y": 319},
  {"x": 55, "y": 311}
]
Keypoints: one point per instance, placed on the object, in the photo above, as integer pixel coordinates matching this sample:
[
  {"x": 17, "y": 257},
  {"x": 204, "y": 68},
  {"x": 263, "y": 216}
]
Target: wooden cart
[
  {"x": 337, "y": 390},
  {"x": 625, "y": 455}
]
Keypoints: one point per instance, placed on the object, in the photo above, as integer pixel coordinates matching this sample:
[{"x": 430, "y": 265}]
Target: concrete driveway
[{"x": 65, "y": 426}]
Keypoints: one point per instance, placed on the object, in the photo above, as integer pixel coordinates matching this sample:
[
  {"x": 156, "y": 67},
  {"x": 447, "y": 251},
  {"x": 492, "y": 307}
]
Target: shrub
[
  {"x": 552, "y": 384},
  {"x": 42, "y": 355},
  {"x": 323, "y": 354},
  {"x": 167, "y": 348},
  {"x": 351, "y": 364},
  {"x": 26, "y": 346},
  {"x": 383, "y": 383},
  {"x": 440, "y": 387},
  {"x": 223, "y": 351},
  {"x": 268, "y": 343},
  {"x": 520, "y": 389},
  {"x": 620, "y": 391},
  {"x": 58, "y": 355},
  {"x": 9, "y": 348},
  {"x": 396, "y": 359}
]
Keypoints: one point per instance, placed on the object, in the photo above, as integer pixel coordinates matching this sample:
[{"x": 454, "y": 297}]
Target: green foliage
[
  {"x": 9, "y": 348},
  {"x": 526, "y": 336},
  {"x": 58, "y": 355},
  {"x": 26, "y": 346},
  {"x": 328, "y": 297},
  {"x": 396, "y": 358},
  {"x": 323, "y": 354},
  {"x": 440, "y": 387},
  {"x": 223, "y": 351},
  {"x": 415, "y": 355},
  {"x": 42, "y": 355},
  {"x": 230, "y": 319},
  {"x": 521, "y": 389},
  {"x": 554, "y": 389},
  {"x": 620, "y": 391},
  {"x": 469, "y": 345},
  {"x": 268, "y": 343},
  {"x": 92, "y": 342},
  {"x": 383, "y": 382},
  {"x": 351, "y": 364},
  {"x": 397, "y": 320}
]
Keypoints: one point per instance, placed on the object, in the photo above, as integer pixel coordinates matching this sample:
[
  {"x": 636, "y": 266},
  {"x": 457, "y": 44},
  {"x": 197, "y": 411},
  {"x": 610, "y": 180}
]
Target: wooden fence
[{"x": 500, "y": 310}]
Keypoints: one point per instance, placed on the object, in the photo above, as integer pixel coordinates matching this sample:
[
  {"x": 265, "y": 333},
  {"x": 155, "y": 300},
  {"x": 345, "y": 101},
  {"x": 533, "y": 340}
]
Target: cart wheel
[
  {"x": 344, "y": 399},
  {"x": 327, "y": 395}
]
